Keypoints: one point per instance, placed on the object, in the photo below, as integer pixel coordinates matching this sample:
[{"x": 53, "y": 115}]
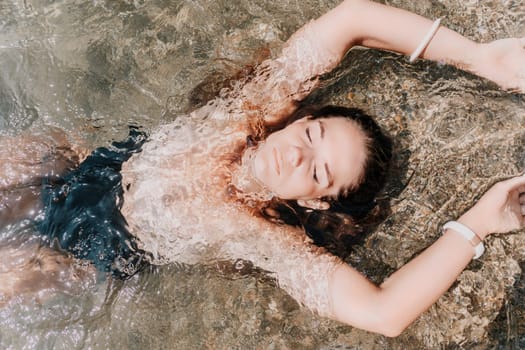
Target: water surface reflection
[{"x": 95, "y": 67}]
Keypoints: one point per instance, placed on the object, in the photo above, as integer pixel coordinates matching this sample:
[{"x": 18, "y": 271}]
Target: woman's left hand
[
  {"x": 501, "y": 209},
  {"x": 503, "y": 62}
]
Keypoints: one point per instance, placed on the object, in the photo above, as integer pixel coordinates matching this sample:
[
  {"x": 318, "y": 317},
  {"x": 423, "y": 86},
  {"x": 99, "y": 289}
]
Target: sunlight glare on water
[{"x": 93, "y": 68}]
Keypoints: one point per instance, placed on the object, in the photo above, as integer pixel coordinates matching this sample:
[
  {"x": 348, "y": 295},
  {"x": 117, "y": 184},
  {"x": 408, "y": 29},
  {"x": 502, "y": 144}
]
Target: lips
[{"x": 276, "y": 161}]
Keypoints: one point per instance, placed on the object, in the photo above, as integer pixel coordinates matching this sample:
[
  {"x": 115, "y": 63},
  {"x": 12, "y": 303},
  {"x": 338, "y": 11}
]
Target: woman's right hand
[{"x": 501, "y": 209}]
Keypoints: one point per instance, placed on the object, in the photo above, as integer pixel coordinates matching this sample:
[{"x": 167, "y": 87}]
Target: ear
[{"x": 316, "y": 204}]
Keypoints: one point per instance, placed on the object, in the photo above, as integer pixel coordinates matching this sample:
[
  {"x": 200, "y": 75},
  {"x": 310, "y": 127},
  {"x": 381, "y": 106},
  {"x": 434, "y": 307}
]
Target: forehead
[{"x": 343, "y": 149}]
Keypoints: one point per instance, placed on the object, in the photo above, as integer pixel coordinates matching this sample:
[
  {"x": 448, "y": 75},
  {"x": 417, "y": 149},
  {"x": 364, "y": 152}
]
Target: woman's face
[{"x": 312, "y": 158}]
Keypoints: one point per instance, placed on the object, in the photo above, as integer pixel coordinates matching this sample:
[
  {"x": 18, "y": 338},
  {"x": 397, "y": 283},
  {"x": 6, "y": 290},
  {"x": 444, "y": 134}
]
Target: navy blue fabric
[{"x": 82, "y": 210}]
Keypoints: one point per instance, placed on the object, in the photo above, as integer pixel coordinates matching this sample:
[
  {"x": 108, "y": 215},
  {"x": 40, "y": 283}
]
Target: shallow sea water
[{"x": 95, "y": 67}]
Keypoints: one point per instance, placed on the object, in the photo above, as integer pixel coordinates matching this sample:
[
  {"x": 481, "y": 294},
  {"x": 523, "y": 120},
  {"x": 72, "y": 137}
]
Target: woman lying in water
[{"x": 221, "y": 182}]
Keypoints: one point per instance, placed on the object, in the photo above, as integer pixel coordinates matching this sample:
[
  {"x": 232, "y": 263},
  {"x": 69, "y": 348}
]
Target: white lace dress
[{"x": 176, "y": 200}]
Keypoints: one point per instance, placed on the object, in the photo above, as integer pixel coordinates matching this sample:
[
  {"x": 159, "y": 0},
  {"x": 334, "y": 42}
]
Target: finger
[
  {"x": 523, "y": 209},
  {"x": 522, "y": 198}
]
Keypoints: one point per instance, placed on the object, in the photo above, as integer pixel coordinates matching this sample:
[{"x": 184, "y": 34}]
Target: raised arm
[
  {"x": 392, "y": 306},
  {"x": 370, "y": 24},
  {"x": 321, "y": 44}
]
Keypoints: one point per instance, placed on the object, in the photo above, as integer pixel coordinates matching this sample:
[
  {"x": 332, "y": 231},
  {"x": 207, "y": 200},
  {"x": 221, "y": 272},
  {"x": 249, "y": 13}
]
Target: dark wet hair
[{"x": 355, "y": 209}]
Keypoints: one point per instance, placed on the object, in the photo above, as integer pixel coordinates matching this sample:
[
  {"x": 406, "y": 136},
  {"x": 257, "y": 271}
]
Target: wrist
[
  {"x": 469, "y": 235},
  {"x": 452, "y": 48},
  {"x": 473, "y": 223},
  {"x": 478, "y": 57}
]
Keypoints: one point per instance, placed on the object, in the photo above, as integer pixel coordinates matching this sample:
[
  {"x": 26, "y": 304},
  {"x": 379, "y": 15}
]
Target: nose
[{"x": 295, "y": 155}]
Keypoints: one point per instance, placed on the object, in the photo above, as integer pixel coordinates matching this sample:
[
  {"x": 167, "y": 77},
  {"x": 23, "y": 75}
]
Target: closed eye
[
  {"x": 316, "y": 179},
  {"x": 308, "y": 135}
]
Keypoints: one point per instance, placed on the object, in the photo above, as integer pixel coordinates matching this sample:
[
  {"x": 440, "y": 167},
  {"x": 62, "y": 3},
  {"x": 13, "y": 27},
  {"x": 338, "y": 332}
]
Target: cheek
[
  {"x": 295, "y": 187},
  {"x": 273, "y": 139},
  {"x": 288, "y": 135}
]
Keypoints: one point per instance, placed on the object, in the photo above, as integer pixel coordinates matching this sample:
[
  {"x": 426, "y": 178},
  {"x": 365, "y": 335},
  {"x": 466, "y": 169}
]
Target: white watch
[{"x": 468, "y": 234}]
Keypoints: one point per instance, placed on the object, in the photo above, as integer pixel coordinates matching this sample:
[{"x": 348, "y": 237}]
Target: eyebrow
[{"x": 328, "y": 173}]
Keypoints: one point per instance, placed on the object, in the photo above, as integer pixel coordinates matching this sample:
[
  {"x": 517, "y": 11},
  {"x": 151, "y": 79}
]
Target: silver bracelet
[
  {"x": 426, "y": 40},
  {"x": 468, "y": 234}
]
